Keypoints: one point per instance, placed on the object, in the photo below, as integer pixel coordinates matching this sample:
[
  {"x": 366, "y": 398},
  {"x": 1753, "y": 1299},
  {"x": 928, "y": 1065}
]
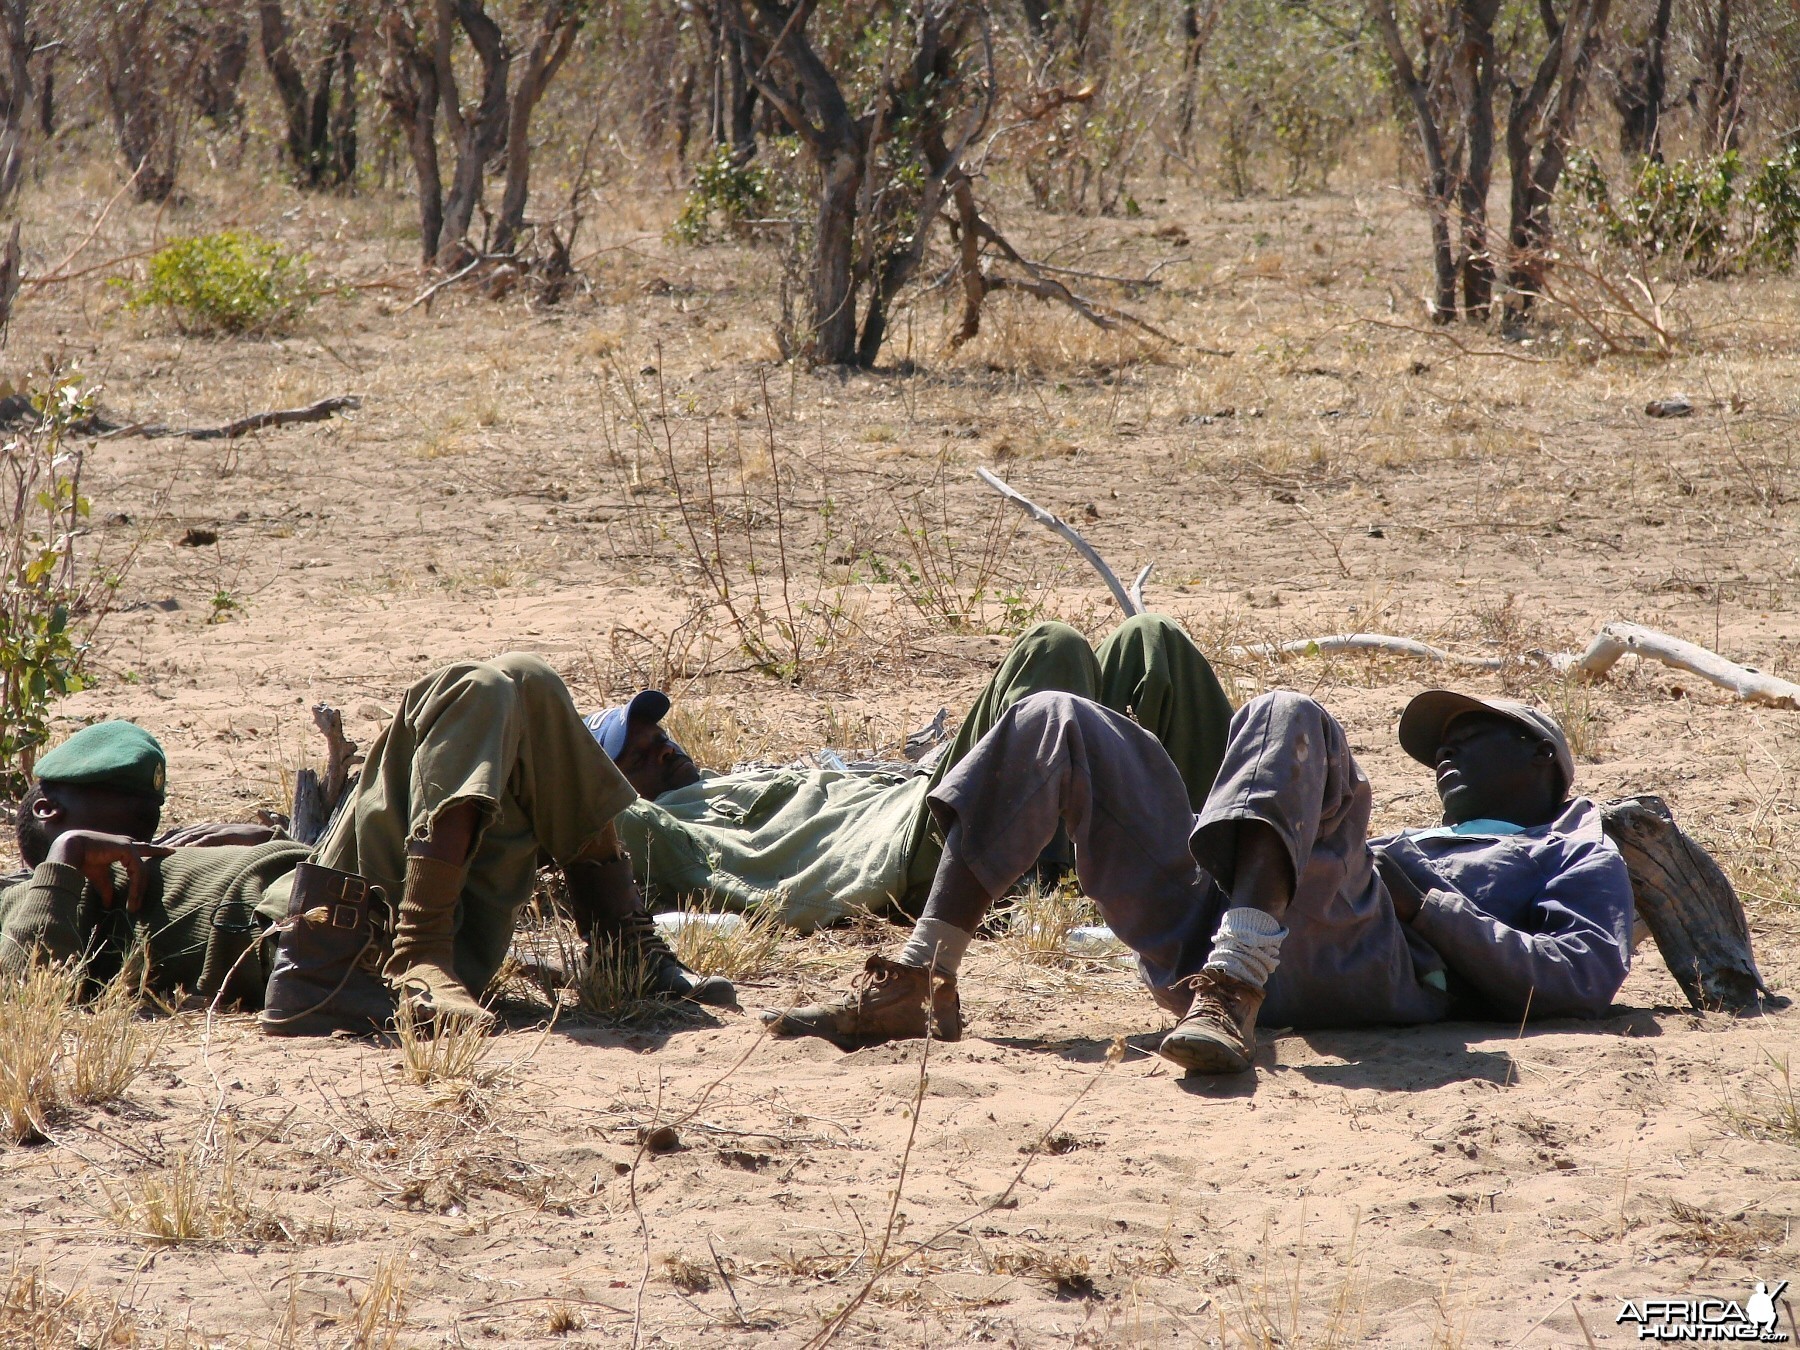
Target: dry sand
[{"x": 1463, "y": 1184}]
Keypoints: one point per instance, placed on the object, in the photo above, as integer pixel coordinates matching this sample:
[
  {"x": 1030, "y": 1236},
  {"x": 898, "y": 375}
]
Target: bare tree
[
  {"x": 16, "y": 93},
  {"x": 1538, "y": 126},
  {"x": 321, "y": 122},
  {"x": 883, "y": 169},
  {"x": 1451, "y": 90},
  {"x": 144, "y": 65},
  {"x": 218, "y": 34},
  {"x": 419, "y": 80},
  {"x": 1721, "y": 83},
  {"x": 1640, "y": 85}
]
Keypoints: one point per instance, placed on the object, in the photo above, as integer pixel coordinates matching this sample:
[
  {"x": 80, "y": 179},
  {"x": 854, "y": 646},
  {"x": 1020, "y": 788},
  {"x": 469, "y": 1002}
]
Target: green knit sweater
[{"x": 195, "y": 900}]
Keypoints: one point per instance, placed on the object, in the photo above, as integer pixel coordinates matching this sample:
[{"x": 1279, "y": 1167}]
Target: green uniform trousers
[
  {"x": 505, "y": 735},
  {"x": 1147, "y": 668}
]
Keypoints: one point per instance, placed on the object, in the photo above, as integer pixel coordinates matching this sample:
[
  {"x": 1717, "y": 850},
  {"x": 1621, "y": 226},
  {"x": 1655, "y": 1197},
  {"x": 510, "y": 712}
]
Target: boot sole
[
  {"x": 317, "y": 1024},
  {"x": 779, "y": 1026},
  {"x": 1199, "y": 1055}
]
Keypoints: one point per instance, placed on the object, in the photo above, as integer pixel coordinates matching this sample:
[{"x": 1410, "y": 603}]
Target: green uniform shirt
[
  {"x": 56, "y": 913},
  {"x": 815, "y": 845}
]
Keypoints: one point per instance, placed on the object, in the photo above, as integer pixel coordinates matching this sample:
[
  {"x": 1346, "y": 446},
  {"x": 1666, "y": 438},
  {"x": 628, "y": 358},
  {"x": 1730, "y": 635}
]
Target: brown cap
[{"x": 1422, "y": 725}]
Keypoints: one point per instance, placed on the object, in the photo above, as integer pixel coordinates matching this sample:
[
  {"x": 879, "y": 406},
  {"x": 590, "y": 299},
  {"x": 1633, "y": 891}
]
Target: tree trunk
[
  {"x": 15, "y": 92},
  {"x": 476, "y": 142},
  {"x": 137, "y": 56},
  {"x": 409, "y": 88},
  {"x": 1537, "y": 136},
  {"x": 1722, "y": 86},
  {"x": 556, "y": 33},
  {"x": 1474, "y": 76},
  {"x": 1690, "y": 908},
  {"x": 833, "y": 338},
  {"x": 1437, "y": 170},
  {"x": 742, "y": 98}
]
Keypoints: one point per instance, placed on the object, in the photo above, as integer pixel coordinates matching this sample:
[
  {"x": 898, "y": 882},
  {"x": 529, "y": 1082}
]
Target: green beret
[{"x": 118, "y": 755}]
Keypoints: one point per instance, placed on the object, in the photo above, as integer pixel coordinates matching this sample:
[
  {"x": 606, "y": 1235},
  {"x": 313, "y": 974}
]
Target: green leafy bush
[
  {"x": 737, "y": 192},
  {"x": 230, "y": 282},
  {"x": 1711, "y": 214},
  {"x": 43, "y": 508}
]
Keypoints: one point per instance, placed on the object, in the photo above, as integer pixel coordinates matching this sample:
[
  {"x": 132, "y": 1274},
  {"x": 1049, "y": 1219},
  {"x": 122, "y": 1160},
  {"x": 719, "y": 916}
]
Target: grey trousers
[{"x": 1055, "y": 758}]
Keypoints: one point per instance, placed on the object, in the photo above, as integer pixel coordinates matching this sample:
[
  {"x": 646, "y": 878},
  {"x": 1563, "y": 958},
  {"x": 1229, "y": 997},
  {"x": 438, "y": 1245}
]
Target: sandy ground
[{"x": 508, "y": 485}]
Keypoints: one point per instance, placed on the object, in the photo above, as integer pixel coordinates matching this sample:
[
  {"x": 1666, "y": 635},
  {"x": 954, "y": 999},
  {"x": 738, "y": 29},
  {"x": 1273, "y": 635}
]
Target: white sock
[
  {"x": 935, "y": 945},
  {"x": 1247, "y": 946}
]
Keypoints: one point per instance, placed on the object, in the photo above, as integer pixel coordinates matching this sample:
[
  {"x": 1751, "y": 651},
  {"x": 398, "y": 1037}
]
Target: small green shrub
[
  {"x": 738, "y": 195},
  {"x": 44, "y": 510},
  {"x": 1712, "y": 215},
  {"x": 228, "y": 282}
]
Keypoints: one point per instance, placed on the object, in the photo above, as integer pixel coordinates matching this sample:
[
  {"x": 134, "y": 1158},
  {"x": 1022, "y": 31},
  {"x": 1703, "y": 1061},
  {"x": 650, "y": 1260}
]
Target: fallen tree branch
[
  {"x": 1617, "y": 639},
  {"x": 1336, "y": 644},
  {"x": 1689, "y": 905},
  {"x": 313, "y": 412},
  {"x": 1051, "y": 521},
  {"x": 1137, "y": 586},
  {"x": 317, "y": 796}
]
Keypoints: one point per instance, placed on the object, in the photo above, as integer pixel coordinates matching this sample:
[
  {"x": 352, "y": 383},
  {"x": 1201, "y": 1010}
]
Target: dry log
[
  {"x": 1049, "y": 520},
  {"x": 1617, "y": 639},
  {"x": 243, "y": 426},
  {"x": 316, "y": 796},
  {"x": 1334, "y": 644},
  {"x": 1689, "y": 905}
]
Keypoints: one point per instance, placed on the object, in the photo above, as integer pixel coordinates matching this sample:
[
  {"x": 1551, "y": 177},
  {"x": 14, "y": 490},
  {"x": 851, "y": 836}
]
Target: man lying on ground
[
  {"x": 484, "y": 766},
  {"x": 1517, "y": 905},
  {"x": 819, "y": 845}
]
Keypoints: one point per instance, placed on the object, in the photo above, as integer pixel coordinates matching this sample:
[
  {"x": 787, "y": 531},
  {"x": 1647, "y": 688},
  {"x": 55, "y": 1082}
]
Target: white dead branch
[
  {"x": 1335, "y": 644},
  {"x": 1610, "y": 643},
  {"x": 1619, "y": 639},
  {"x": 1051, "y": 521}
]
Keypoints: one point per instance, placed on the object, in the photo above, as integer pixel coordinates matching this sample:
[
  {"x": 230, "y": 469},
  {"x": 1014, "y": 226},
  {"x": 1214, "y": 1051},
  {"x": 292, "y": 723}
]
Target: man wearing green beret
[{"x": 485, "y": 766}]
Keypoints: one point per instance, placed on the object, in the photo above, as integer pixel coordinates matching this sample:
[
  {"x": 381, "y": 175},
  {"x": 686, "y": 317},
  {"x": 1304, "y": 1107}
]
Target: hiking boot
[
  {"x": 637, "y": 938},
  {"x": 1218, "y": 1035},
  {"x": 887, "y": 1002},
  {"x": 328, "y": 957},
  {"x": 422, "y": 968}
]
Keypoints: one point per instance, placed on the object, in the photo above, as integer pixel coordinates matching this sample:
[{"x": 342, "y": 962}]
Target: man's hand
[
  {"x": 94, "y": 855},
  {"x": 215, "y": 833},
  {"x": 1408, "y": 899}
]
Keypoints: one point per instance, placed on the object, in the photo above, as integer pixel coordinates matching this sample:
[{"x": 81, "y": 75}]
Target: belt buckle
[{"x": 345, "y": 916}]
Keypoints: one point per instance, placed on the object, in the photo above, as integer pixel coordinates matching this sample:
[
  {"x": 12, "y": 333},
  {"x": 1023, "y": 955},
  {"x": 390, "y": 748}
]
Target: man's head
[
  {"x": 633, "y": 736},
  {"x": 1495, "y": 759},
  {"x": 109, "y": 777}
]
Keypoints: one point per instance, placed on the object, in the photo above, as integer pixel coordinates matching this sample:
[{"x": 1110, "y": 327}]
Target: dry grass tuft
[
  {"x": 1039, "y": 923},
  {"x": 719, "y": 942},
  {"x": 56, "y": 1051},
  {"x": 1733, "y": 1236},
  {"x": 687, "y": 1275},
  {"x": 380, "y": 1314},
  {"x": 34, "y": 1313},
  {"x": 1273, "y": 1311},
  {"x": 561, "y": 1320},
  {"x": 1769, "y": 1110},
  {"x": 611, "y": 986},
  {"x": 1069, "y": 1274},
  {"x": 445, "y": 1050},
  {"x": 194, "y": 1198}
]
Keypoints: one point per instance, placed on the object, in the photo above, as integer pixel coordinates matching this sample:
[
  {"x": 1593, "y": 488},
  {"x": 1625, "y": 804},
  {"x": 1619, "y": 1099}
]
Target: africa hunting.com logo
[{"x": 1710, "y": 1319}]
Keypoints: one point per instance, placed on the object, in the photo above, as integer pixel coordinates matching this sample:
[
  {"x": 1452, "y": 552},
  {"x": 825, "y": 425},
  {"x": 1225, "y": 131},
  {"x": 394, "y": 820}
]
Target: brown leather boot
[
  {"x": 886, "y": 1003},
  {"x": 422, "y": 969},
  {"x": 1218, "y": 1035},
  {"x": 609, "y": 913}
]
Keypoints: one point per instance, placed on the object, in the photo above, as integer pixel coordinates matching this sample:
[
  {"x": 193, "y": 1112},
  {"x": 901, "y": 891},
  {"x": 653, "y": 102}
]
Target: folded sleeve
[
  {"x": 39, "y": 918},
  {"x": 1568, "y": 954}
]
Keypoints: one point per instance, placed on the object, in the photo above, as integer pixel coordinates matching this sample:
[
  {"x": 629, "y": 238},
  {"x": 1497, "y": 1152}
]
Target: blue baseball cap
[{"x": 610, "y": 727}]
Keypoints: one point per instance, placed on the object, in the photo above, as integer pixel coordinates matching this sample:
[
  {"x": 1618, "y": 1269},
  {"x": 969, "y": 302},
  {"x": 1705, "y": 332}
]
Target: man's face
[
  {"x": 654, "y": 764},
  {"x": 61, "y": 807},
  {"x": 1490, "y": 768}
]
